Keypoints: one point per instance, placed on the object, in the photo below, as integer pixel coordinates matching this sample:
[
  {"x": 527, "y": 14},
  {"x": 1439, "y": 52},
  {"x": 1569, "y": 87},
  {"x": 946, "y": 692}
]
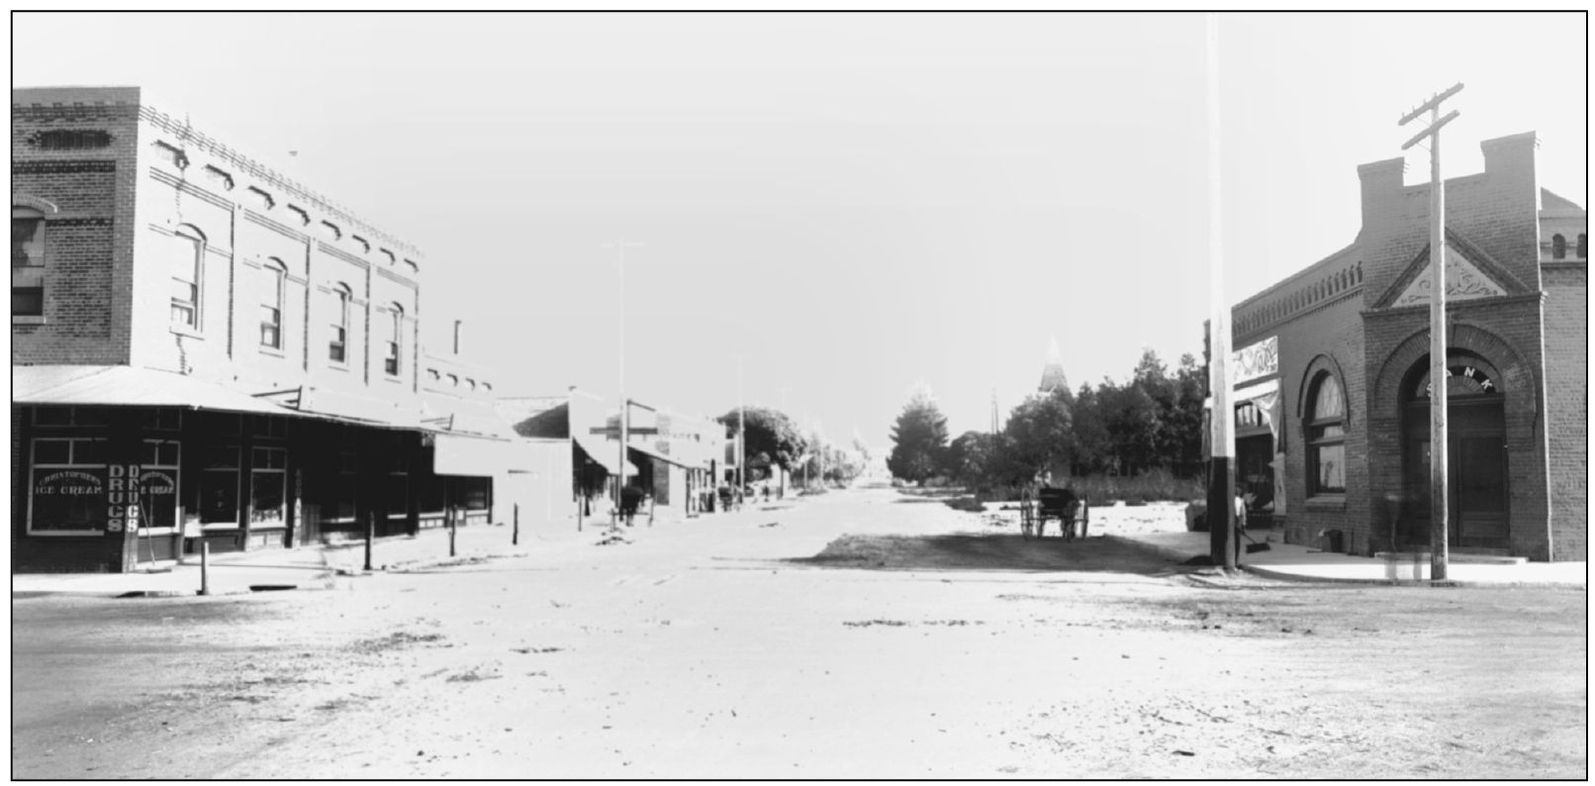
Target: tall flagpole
[
  {"x": 1220, "y": 498},
  {"x": 1439, "y": 494},
  {"x": 625, "y": 405}
]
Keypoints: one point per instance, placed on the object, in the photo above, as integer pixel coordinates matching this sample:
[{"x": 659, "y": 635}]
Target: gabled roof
[
  {"x": 1470, "y": 273},
  {"x": 1552, "y": 202}
]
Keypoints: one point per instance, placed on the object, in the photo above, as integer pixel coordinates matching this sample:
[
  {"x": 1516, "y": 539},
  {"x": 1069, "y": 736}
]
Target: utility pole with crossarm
[{"x": 1439, "y": 549}]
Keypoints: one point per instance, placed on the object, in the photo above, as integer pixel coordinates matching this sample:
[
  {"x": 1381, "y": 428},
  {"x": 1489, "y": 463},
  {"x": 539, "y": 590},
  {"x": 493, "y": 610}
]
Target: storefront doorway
[{"x": 1476, "y": 466}]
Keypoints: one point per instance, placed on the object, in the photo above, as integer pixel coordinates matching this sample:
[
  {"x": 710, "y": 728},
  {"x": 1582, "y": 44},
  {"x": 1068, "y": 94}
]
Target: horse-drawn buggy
[{"x": 1059, "y": 504}]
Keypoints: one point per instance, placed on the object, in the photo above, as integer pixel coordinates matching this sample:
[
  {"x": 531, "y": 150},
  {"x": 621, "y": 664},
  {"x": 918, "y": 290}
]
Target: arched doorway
[{"x": 1476, "y": 481}]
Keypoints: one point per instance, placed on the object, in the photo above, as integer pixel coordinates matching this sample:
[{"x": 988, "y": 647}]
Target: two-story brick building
[
  {"x": 206, "y": 350},
  {"x": 1332, "y": 371}
]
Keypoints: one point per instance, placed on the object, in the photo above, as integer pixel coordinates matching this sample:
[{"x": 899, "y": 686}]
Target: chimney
[
  {"x": 1512, "y": 156},
  {"x": 1383, "y": 184}
]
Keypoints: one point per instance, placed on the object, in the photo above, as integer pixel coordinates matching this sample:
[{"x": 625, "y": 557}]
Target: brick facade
[
  {"x": 1519, "y": 319},
  {"x": 125, "y": 190}
]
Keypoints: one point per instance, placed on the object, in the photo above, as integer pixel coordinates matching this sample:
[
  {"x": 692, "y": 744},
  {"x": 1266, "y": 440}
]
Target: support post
[
  {"x": 454, "y": 516},
  {"x": 1220, "y": 496},
  {"x": 204, "y": 568},
  {"x": 515, "y": 534},
  {"x": 371, "y": 533}
]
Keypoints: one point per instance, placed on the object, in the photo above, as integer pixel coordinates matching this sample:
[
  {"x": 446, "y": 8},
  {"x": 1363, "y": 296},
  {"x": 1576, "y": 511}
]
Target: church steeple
[{"x": 1052, "y": 377}]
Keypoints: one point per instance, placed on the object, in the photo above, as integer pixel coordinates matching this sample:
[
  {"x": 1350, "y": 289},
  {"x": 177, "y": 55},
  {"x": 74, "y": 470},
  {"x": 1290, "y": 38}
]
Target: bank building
[{"x": 1331, "y": 372}]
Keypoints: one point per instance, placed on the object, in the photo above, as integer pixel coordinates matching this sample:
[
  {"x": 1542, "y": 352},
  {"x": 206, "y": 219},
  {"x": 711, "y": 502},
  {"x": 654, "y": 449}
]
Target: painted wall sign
[
  {"x": 1256, "y": 360},
  {"x": 121, "y": 498}
]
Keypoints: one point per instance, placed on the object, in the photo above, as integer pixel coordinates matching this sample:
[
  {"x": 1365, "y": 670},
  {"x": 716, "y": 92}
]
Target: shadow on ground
[{"x": 997, "y": 552}]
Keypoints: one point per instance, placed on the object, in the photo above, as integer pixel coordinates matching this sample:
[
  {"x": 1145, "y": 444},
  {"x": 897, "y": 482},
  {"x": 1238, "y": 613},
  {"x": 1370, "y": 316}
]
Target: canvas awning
[
  {"x": 602, "y": 453},
  {"x": 460, "y": 454},
  {"x": 655, "y": 454},
  {"x": 129, "y": 386}
]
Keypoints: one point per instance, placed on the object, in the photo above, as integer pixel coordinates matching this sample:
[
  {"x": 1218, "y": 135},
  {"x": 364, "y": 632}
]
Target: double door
[{"x": 1476, "y": 475}]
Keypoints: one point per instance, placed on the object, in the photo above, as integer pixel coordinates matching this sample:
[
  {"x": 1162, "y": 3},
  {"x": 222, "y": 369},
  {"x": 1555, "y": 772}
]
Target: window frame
[
  {"x": 71, "y": 463},
  {"x": 1558, "y": 246},
  {"x": 392, "y": 361},
  {"x": 338, "y": 343},
  {"x": 195, "y": 306},
  {"x": 278, "y": 283},
  {"x": 1318, "y": 436},
  {"x": 28, "y": 276}
]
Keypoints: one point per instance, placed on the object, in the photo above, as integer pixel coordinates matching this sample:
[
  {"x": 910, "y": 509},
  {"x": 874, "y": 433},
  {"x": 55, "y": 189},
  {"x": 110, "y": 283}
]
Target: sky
[{"x": 832, "y": 211}]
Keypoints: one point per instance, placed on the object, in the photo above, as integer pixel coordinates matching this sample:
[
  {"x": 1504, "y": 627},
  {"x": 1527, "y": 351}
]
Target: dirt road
[{"x": 854, "y": 635}]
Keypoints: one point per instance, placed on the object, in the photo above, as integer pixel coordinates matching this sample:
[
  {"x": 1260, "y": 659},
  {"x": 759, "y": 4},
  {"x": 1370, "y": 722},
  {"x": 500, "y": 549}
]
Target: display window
[{"x": 67, "y": 490}]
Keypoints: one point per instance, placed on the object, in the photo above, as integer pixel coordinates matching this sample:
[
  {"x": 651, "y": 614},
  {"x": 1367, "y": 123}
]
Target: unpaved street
[{"x": 857, "y": 634}]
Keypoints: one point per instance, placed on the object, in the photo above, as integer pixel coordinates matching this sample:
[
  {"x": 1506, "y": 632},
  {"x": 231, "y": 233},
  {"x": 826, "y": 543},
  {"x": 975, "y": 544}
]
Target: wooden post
[
  {"x": 454, "y": 515},
  {"x": 204, "y": 568},
  {"x": 515, "y": 534},
  {"x": 371, "y": 532}
]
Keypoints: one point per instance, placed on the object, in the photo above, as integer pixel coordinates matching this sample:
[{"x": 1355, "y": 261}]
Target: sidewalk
[
  {"x": 1300, "y": 563},
  {"x": 307, "y": 567}
]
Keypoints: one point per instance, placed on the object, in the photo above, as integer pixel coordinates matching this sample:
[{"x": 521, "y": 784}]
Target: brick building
[
  {"x": 1332, "y": 371},
  {"x": 205, "y": 350}
]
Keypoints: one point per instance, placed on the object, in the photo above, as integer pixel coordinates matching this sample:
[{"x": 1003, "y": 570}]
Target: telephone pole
[
  {"x": 625, "y": 407},
  {"x": 1439, "y": 540},
  {"x": 1220, "y": 483}
]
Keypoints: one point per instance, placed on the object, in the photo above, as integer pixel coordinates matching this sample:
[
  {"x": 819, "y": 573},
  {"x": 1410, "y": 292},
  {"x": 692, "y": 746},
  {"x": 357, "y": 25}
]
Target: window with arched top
[
  {"x": 1558, "y": 247},
  {"x": 390, "y": 364},
  {"x": 274, "y": 278},
  {"x": 338, "y": 338},
  {"x": 1583, "y": 246},
  {"x": 187, "y": 254},
  {"x": 1325, "y": 430},
  {"x": 27, "y": 262}
]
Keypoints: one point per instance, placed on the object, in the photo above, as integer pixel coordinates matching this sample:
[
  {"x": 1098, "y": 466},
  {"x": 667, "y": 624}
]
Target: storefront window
[
  {"x": 159, "y": 472},
  {"x": 1326, "y": 438},
  {"x": 67, "y": 489},
  {"x": 268, "y": 487},
  {"x": 218, "y": 487}
]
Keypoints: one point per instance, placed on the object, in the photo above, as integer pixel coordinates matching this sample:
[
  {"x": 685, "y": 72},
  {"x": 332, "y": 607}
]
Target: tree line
[
  {"x": 775, "y": 440},
  {"x": 1152, "y": 421}
]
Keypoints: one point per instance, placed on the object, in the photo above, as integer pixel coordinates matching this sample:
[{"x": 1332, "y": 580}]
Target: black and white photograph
[{"x": 816, "y": 395}]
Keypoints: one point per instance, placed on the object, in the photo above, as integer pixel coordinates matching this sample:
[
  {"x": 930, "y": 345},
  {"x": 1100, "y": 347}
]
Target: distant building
[
  {"x": 1052, "y": 377},
  {"x": 1331, "y": 371},
  {"x": 203, "y": 350}
]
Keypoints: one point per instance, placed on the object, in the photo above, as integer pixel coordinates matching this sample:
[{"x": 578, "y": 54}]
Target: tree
[
  {"x": 920, "y": 436},
  {"x": 1093, "y": 449},
  {"x": 1041, "y": 431},
  {"x": 771, "y": 434},
  {"x": 969, "y": 459}
]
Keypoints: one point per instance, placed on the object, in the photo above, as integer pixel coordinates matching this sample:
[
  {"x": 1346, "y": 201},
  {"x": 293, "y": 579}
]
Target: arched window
[
  {"x": 187, "y": 253},
  {"x": 1558, "y": 247},
  {"x": 1326, "y": 437},
  {"x": 275, "y": 276},
  {"x": 27, "y": 262},
  {"x": 395, "y": 340},
  {"x": 1583, "y": 246},
  {"x": 338, "y": 339}
]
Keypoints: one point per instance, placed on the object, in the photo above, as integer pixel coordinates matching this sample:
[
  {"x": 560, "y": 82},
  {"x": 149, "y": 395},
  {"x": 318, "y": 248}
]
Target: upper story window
[
  {"x": 390, "y": 363},
  {"x": 1326, "y": 437},
  {"x": 27, "y": 262},
  {"x": 187, "y": 252},
  {"x": 1558, "y": 247},
  {"x": 1583, "y": 246},
  {"x": 275, "y": 276},
  {"x": 338, "y": 342}
]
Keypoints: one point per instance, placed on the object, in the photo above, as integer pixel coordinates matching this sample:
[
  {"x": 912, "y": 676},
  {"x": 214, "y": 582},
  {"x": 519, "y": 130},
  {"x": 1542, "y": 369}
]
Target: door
[{"x": 1478, "y": 491}]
